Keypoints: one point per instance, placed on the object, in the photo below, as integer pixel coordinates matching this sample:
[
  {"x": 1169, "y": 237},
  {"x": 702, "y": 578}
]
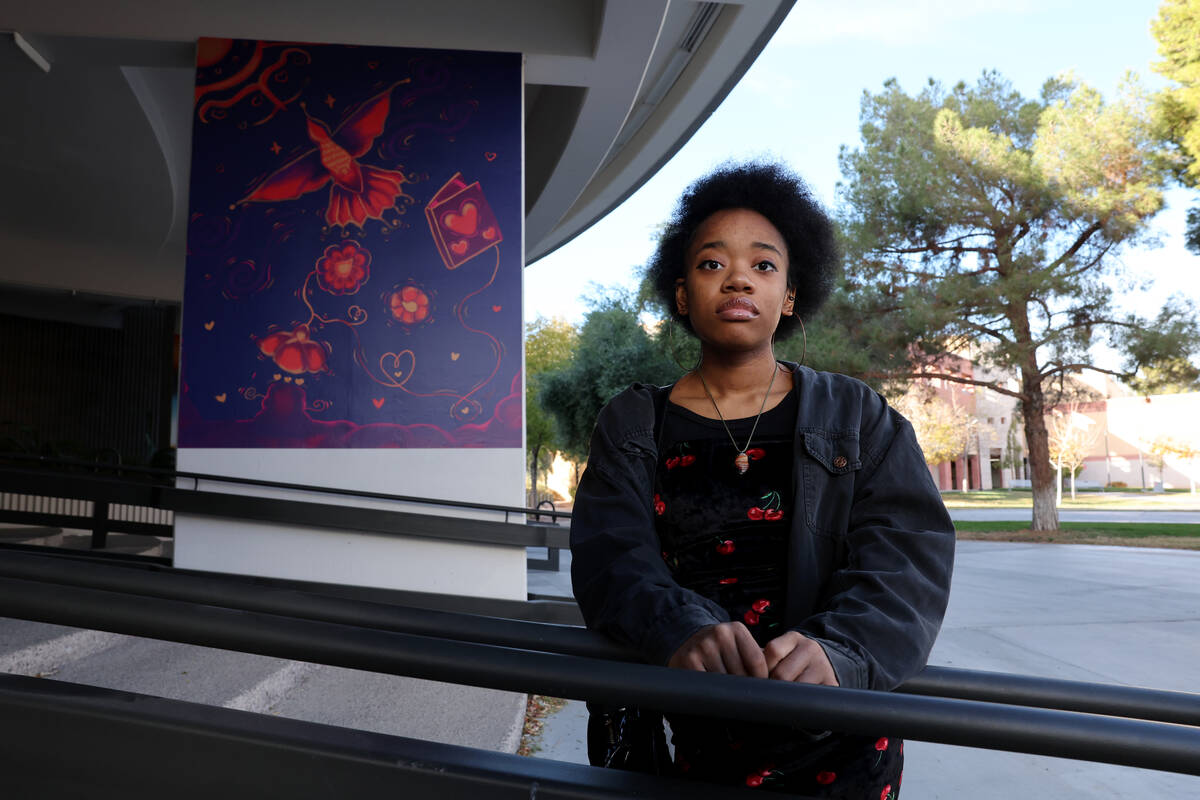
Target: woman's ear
[
  {"x": 789, "y": 303},
  {"x": 681, "y": 304}
]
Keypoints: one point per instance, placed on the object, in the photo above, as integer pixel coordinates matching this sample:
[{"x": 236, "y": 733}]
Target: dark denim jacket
[{"x": 871, "y": 547}]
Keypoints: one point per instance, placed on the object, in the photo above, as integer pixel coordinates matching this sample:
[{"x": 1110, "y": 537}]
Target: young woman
[{"x": 756, "y": 517}]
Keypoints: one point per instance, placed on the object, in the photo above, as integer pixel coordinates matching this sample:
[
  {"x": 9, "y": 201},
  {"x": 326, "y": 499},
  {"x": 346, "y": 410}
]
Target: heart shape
[
  {"x": 496, "y": 309},
  {"x": 220, "y": 398},
  {"x": 377, "y": 401},
  {"x": 454, "y": 356},
  {"x": 459, "y": 247},
  {"x": 489, "y": 232},
  {"x": 299, "y": 381},
  {"x": 490, "y": 156},
  {"x": 208, "y": 326},
  {"x": 465, "y": 221},
  {"x": 390, "y": 363}
]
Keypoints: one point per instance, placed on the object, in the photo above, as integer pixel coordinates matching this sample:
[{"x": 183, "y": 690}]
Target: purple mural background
[{"x": 354, "y": 248}]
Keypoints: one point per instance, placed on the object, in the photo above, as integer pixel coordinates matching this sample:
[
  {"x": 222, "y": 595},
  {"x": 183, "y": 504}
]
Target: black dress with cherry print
[{"x": 724, "y": 535}]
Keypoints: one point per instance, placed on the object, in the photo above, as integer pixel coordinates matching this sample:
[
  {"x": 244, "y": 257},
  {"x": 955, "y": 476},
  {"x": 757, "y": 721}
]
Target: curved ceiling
[{"x": 94, "y": 153}]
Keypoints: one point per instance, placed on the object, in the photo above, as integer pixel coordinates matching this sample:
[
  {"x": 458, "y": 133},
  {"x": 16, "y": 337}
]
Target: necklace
[{"x": 741, "y": 461}]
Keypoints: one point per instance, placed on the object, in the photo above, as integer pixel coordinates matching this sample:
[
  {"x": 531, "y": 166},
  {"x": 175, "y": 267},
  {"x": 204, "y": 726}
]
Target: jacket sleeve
[
  {"x": 621, "y": 583},
  {"x": 887, "y": 596}
]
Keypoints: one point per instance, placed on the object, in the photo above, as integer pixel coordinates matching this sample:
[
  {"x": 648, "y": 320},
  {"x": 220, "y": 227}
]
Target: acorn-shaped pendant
[{"x": 742, "y": 462}]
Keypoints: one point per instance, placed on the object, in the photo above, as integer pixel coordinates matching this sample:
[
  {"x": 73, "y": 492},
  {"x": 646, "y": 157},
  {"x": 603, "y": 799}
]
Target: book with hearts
[{"x": 461, "y": 221}]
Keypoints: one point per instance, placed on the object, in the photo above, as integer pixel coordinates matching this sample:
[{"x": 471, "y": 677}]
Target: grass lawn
[
  {"x": 1023, "y": 498},
  {"x": 1180, "y": 536}
]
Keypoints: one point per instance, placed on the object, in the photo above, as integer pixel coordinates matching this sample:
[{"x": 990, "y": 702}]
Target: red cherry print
[
  {"x": 726, "y": 547},
  {"x": 826, "y": 777},
  {"x": 772, "y": 514},
  {"x": 754, "y": 780},
  {"x": 882, "y": 744},
  {"x": 755, "y": 513},
  {"x": 751, "y": 617},
  {"x": 727, "y": 581},
  {"x": 886, "y": 793},
  {"x": 673, "y": 462},
  {"x": 687, "y": 461},
  {"x": 756, "y": 453},
  {"x": 762, "y": 605},
  {"x": 659, "y": 506}
]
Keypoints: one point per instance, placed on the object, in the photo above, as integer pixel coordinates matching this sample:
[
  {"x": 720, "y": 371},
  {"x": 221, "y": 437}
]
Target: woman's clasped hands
[{"x": 729, "y": 647}]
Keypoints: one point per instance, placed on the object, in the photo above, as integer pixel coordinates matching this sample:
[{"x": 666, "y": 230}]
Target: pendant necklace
[{"x": 741, "y": 461}]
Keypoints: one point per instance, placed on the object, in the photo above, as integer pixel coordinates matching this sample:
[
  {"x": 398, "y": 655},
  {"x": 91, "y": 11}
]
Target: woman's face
[{"x": 734, "y": 288}]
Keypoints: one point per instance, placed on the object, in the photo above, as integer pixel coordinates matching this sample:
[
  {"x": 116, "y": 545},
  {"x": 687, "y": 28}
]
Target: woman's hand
[
  {"x": 727, "y": 647},
  {"x": 795, "y": 657}
]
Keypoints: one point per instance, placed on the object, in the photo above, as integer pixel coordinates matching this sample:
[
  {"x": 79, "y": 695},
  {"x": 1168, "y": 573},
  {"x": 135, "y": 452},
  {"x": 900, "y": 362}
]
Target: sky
[{"x": 800, "y": 100}]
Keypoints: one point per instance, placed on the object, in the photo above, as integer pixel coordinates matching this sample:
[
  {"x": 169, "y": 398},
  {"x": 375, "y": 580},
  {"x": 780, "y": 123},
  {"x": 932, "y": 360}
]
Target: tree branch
[
  {"x": 1065, "y": 368},
  {"x": 946, "y": 376},
  {"x": 1079, "y": 242}
]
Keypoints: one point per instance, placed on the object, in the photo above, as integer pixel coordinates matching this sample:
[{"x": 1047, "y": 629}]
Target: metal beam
[
  {"x": 995, "y": 726},
  {"x": 64, "y": 741}
]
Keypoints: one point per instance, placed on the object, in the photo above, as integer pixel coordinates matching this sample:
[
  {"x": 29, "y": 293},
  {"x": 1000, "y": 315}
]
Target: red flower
[
  {"x": 886, "y": 793},
  {"x": 755, "y": 513},
  {"x": 727, "y": 581},
  {"x": 687, "y": 461},
  {"x": 294, "y": 351},
  {"x": 751, "y": 617},
  {"x": 673, "y": 462},
  {"x": 344, "y": 267},
  {"x": 772, "y": 514},
  {"x": 409, "y": 305},
  {"x": 754, "y": 780},
  {"x": 762, "y": 605},
  {"x": 882, "y": 744},
  {"x": 660, "y": 507},
  {"x": 726, "y": 547},
  {"x": 826, "y": 777},
  {"x": 756, "y": 453}
]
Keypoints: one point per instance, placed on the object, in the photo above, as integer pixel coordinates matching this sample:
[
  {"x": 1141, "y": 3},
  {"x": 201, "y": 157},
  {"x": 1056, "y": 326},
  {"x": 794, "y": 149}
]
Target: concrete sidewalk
[
  {"x": 1117, "y": 615},
  {"x": 1096, "y": 515}
]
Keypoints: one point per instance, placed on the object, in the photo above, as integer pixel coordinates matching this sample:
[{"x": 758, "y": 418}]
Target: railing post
[{"x": 99, "y": 524}]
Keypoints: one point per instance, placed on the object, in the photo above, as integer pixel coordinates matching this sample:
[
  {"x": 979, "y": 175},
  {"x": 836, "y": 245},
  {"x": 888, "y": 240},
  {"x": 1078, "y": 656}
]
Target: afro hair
[{"x": 778, "y": 194}]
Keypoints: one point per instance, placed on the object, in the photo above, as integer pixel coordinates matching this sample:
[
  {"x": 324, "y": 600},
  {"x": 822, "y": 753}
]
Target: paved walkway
[
  {"x": 1098, "y": 515},
  {"x": 1117, "y": 615}
]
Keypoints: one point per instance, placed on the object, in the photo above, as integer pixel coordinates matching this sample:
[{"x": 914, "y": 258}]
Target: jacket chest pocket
[{"x": 830, "y": 461}]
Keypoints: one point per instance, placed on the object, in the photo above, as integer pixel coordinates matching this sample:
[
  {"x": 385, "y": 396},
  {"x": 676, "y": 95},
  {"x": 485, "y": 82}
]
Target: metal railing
[
  {"x": 517, "y": 656},
  {"x": 74, "y": 500},
  {"x": 494, "y": 644}
]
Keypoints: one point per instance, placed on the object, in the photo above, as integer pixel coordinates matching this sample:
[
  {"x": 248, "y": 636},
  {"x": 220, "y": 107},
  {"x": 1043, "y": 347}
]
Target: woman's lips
[{"x": 737, "y": 308}]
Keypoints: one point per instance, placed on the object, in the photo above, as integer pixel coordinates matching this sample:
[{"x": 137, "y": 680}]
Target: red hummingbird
[{"x": 359, "y": 191}]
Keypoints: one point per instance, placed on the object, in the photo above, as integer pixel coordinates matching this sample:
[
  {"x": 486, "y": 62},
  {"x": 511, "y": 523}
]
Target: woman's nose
[{"x": 738, "y": 278}]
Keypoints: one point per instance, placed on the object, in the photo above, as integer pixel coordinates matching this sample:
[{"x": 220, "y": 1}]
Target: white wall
[{"x": 483, "y": 475}]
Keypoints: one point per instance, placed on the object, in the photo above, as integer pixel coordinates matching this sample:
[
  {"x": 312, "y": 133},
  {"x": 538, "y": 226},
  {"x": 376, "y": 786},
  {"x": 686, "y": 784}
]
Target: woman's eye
[
  {"x": 765, "y": 266},
  {"x": 709, "y": 264}
]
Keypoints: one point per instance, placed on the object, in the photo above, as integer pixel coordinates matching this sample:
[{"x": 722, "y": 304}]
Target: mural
[{"x": 348, "y": 278}]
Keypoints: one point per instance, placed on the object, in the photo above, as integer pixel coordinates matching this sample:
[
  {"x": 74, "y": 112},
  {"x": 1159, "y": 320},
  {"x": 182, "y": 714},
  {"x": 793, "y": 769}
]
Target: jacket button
[{"x": 839, "y": 462}]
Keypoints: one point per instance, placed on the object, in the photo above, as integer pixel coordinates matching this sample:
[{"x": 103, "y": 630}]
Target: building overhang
[{"x": 96, "y": 134}]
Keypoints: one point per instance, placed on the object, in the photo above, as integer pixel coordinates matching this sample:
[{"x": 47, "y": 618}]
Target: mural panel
[{"x": 354, "y": 262}]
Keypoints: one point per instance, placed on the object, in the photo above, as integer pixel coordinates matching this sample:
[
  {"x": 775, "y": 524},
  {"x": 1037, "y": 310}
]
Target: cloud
[{"x": 886, "y": 21}]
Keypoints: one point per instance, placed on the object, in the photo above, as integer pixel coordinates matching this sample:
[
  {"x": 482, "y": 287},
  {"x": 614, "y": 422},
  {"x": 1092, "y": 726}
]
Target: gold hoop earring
[
  {"x": 804, "y": 334},
  {"x": 671, "y": 324}
]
